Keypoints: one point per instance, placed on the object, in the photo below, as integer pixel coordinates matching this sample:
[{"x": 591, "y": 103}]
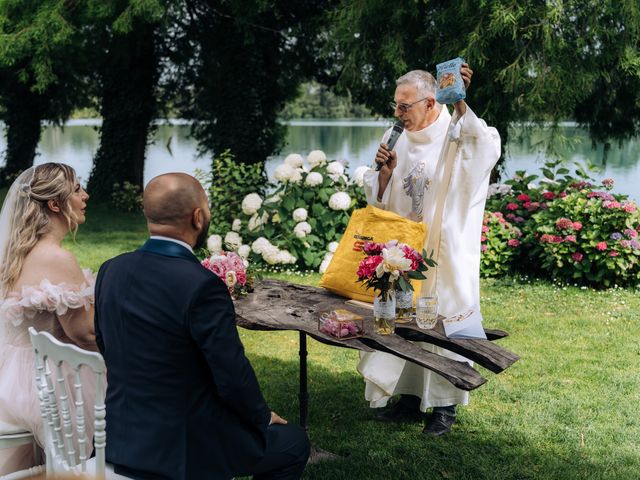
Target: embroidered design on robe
[{"x": 415, "y": 184}]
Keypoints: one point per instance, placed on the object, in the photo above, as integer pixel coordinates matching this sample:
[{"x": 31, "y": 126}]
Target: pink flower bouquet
[
  {"x": 232, "y": 270},
  {"x": 392, "y": 265}
]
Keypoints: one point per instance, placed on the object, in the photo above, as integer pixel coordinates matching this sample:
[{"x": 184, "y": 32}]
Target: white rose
[
  {"x": 256, "y": 222},
  {"x": 251, "y": 203},
  {"x": 294, "y": 160},
  {"x": 340, "y": 201},
  {"x": 214, "y": 244},
  {"x": 244, "y": 251},
  {"x": 231, "y": 278},
  {"x": 237, "y": 225},
  {"x": 302, "y": 229},
  {"x": 313, "y": 179},
  {"x": 233, "y": 240},
  {"x": 283, "y": 172},
  {"x": 300, "y": 214},
  {"x": 358, "y": 175},
  {"x": 335, "y": 170},
  {"x": 259, "y": 245},
  {"x": 333, "y": 246},
  {"x": 316, "y": 158}
]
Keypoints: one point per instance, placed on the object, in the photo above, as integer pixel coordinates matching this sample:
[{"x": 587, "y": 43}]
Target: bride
[{"x": 41, "y": 285}]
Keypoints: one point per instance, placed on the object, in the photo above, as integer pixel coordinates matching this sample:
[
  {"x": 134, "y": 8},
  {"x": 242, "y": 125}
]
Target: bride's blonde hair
[{"x": 32, "y": 216}]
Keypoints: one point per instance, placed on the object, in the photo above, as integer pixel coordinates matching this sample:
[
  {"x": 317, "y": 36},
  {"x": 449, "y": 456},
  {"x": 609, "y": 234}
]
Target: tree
[
  {"x": 42, "y": 73},
  {"x": 238, "y": 62},
  {"x": 128, "y": 69},
  {"x": 533, "y": 61}
]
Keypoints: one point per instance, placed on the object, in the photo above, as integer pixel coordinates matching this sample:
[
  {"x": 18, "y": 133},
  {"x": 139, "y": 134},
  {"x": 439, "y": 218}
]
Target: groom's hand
[{"x": 277, "y": 419}]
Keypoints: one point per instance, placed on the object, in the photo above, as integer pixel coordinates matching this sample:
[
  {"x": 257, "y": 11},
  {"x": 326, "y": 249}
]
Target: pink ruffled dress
[{"x": 37, "y": 306}]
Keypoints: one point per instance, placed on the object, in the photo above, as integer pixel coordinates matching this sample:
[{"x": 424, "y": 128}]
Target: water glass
[{"x": 427, "y": 312}]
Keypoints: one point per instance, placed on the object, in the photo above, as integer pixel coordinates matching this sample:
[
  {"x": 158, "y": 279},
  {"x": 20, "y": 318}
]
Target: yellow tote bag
[{"x": 368, "y": 224}]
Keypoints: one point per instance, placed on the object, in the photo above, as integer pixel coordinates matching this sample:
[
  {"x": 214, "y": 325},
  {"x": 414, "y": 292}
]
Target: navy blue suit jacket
[{"x": 182, "y": 400}]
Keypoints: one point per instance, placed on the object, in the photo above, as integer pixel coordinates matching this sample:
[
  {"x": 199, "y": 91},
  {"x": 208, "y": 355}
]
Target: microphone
[{"x": 397, "y": 130}]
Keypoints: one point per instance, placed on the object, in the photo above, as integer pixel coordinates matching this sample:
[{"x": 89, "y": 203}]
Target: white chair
[{"x": 61, "y": 435}]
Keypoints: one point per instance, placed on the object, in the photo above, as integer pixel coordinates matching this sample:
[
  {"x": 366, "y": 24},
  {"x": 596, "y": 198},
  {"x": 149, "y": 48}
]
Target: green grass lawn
[{"x": 567, "y": 410}]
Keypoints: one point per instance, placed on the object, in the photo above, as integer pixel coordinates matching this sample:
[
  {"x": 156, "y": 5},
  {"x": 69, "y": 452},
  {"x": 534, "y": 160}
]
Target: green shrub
[
  {"x": 126, "y": 198},
  {"x": 294, "y": 224},
  {"x": 227, "y": 184},
  {"x": 500, "y": 243}
]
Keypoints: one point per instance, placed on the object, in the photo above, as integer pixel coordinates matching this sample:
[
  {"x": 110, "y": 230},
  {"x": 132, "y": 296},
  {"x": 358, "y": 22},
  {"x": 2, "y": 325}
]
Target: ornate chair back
[{"x": 67, "y": 446}]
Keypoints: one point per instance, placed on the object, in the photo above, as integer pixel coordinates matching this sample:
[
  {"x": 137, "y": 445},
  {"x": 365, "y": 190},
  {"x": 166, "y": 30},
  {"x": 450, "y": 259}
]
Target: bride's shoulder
[{"x": 53, "y": 263}]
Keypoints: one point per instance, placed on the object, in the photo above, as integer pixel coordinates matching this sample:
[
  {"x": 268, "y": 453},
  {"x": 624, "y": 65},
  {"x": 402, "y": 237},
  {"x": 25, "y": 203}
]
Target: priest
[{"x": 438, "y": 172}]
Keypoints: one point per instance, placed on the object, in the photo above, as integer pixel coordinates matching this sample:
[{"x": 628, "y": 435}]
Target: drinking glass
[{"x": 427, "y": 312}]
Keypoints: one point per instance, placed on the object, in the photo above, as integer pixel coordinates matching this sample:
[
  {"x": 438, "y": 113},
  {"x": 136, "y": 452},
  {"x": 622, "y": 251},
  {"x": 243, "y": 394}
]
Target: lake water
[{"x": 353, "y": 141}]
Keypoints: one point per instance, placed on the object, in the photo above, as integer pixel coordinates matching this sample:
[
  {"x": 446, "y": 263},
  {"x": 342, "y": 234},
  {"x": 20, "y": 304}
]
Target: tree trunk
[
  {"x": 22, "y": 123},
  {"x": 129, "y": 78}
]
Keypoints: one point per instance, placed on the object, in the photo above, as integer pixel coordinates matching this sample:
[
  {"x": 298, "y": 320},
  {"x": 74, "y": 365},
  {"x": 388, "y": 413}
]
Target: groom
[{"x": 182, "y": 400}]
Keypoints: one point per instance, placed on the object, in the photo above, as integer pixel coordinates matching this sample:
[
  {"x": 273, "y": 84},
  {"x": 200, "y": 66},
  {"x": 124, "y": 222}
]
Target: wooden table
[{"x": 280, "y": 305}]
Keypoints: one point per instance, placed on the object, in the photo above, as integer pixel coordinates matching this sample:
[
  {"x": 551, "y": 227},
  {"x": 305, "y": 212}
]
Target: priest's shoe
[
  {"x": 404, "y": 410},
  {"x": 438, "y": 424}
]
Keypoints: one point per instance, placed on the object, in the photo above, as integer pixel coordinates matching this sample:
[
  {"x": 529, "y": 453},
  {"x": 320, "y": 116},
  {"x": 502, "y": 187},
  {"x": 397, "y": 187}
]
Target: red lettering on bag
[{"x": 358, "y": 246}]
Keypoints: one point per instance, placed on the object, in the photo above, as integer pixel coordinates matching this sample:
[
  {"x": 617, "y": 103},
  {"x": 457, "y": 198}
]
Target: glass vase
[
  {"x": 404, "y": 305},
  {"x": 384, "y": 313}
]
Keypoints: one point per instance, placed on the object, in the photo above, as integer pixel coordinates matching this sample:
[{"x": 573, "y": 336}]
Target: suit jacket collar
[{"x": 167, "y": 249}]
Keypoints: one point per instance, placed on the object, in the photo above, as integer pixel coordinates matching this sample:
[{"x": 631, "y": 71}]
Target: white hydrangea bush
[{"x": 300, "y": 222}]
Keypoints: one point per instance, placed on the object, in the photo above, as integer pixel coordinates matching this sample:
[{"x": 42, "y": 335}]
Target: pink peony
[
  {"x": 523, "y": 197},
  {"x": 601, "y": 246},
  {"x": 548, "y": 195},
  {"x": 577, "y": 226},
  {"x": 512, "y": 206},
  {"x": 577, "y": 257},
  {"x": 564, "y": 224},
  {"x": 367, "y": 267},
  {"x": 373, "y": 248},
  {"x": 514, "y": 242},
  {"x": 411, "y": 254}
]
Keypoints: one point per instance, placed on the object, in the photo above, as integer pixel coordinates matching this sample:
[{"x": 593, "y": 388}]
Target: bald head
[{"x": 170, "y": 199}]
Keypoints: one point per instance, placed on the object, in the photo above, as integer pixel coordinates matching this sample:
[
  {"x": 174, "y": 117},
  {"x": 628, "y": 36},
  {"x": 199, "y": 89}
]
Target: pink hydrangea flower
[
  {"x": 630, "y": 232},
  {"x": 511, "y": 216},
  {"x": 613, "y": 253},
  {"x": 608, "y": 182},
  {"x": 523, "y": 197},
  {"x": 570, "y": 239},
  {"x": 512, "y": 206},
  {"x": 483, "y": 238},
  {"x": 577, "y": 226},
  {"x": 485, "y": 229},
  {"x": 564, "y": 224},
  {"x": 577, "y": 257},
  {"x": 562, "y": 194},
  {"x": 513, "y": 242},
  {"x": 483, "y": 248},
  {"x": 629, "y": 207},
  {"x": 625, "y": 243},
  {"x": 611, "y": 204},
  {"x": 601, "y": 246},
  {"x": 548, "y": 195}
]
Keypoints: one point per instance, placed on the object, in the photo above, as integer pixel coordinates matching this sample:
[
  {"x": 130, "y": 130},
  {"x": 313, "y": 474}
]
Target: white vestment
[{"x": 442, "y": 177}]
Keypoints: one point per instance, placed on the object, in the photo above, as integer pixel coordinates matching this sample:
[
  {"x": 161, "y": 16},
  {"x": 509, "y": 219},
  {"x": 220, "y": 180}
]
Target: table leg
[
  {"x": 303, "y": 395},
  {"x": 317, "y": 454}
]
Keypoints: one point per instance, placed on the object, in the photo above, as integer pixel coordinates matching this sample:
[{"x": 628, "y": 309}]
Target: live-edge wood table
[{"x": 281, "y": 305}]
